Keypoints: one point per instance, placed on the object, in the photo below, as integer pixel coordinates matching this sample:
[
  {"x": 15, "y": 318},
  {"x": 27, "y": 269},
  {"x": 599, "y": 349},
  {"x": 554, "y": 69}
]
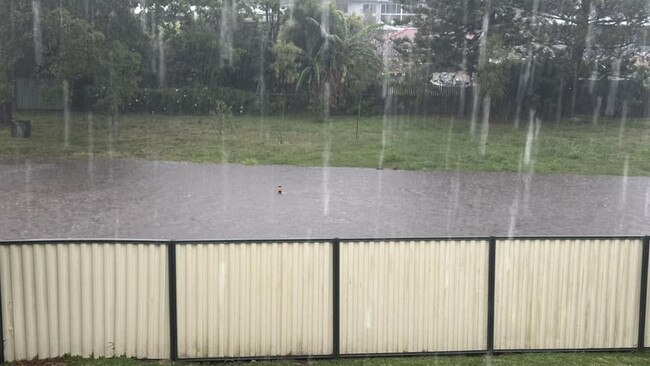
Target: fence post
[
  {"x": 491, "y": 283},
  {"x": 643, "y": 292},
  {"x": 173, "y": 328},
  {"x": 335, "y": 297},
  {"x": 2, "y": 335}
]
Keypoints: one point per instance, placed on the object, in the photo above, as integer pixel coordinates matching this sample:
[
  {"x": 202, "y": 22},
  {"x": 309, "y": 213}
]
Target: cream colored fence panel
[
  {"x": 567, "y": 293},
  {"x": 98, "y": 300},
  {"x": 647, "y": 316},
  {"x": 414, "y": 296},
  {"x": 254, "y": 299}
]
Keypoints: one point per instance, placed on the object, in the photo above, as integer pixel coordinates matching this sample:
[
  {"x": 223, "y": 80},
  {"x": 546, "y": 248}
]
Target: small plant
[
  {"x": 221, "y": 110},
  {"x": 250, "y": 161}
]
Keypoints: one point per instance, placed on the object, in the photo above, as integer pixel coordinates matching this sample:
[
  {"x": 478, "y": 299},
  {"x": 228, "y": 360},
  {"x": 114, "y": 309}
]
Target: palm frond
[{"x": 303, "y": 76}]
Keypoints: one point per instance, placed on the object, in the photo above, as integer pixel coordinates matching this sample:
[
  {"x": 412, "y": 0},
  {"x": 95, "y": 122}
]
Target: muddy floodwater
[{"x": 167, "y": 200}]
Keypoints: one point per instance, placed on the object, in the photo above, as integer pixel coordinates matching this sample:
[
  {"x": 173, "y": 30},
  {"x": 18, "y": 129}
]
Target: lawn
[
  {"x": 415, "y": 143},
  {"x": 565, "y": 359}
]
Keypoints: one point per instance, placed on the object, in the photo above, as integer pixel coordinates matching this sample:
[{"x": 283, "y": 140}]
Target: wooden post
[
  {"x": 6, "y": 114},
  {"x": 358, "y": 116}
]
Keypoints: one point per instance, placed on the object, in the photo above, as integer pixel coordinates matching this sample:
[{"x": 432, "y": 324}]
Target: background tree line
[
  {"x": 257, "y": 56},
  {"x": 536, "y": 52},
  {"x": 188, "y": 56}
]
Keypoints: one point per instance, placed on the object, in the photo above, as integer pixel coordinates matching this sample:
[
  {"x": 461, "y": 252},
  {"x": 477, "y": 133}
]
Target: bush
[
  {"x": 191, "y": 101},
  {"x": 370, "y": 106},
  {"x": 279, "y": 104}
]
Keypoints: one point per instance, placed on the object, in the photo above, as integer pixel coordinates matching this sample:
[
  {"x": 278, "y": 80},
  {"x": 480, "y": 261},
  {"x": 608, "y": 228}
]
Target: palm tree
[
  {"x": 334, "y": 57},
  {"x": 316, "y": 74}
]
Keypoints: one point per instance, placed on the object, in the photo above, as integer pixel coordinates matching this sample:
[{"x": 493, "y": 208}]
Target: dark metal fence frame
[{"x": 492, "y": 248}]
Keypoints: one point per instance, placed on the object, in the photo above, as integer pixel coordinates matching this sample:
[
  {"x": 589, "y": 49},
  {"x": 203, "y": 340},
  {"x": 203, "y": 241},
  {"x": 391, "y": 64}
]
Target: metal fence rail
[{"x": 327, "y": 298}]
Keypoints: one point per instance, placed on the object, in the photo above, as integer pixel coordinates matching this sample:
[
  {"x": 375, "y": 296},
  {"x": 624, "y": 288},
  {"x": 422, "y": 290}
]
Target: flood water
[{"x": 167, "y": 200}]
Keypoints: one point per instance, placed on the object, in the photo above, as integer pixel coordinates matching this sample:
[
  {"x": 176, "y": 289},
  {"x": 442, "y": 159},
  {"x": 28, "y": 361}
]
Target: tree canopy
[{"x": 121, "y": 54}]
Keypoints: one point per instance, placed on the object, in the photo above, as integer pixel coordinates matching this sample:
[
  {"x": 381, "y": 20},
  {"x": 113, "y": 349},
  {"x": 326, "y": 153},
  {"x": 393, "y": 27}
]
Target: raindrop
[
  {"x": 527, "y": 73},
  {"x": 599, "y": 103},
  {"x": 143, "y": 16},
  {"x": 387, "y": 94},
  {"x": 621, "y": 130},
  {"x": 382, "y": 152},
  {"x": 91, "y": 147},
  {"x": 622, "y": 204},
  {"x": 530, "y": 138},
  {"x": 28, "y": 194},
  {"x": 228, "y": 19},
  {"x": 453, "y": 201},
  {"x": 514, "y": 206},
  {"x": 449, "y": 138},
  {"x": 225, "y": 189},
  {"x": 476, "y": 92},
  {"x": 530, "y": 154},
  {"x": 222, "y": 132},
  {"x": 388, "y": 100},
  {"x": 162, "y": 66},
  {"x": 156, "y": 179},
  {"x": 485, "y": 125},
  {"x": 66, "y": 113},
  {"x": 154, "y": 42},
  {"x": 626, "y": 168},
  {"x": 560, "y": 94},
  {"x": 463, "y": 66},
  {"x": 116, "y": 229},
  {"x": 526, "y": 172},
  {"x": 594, "y": 77},
  {"x": 262, "y": 82},
  {"x": 38, "y": 35},
  {"x": 326, "y": 177},
  {"x": 613, "y": 88},
  {"x": 378, "y": 200},
  {"x": 482, "y": 60},
  {"x": 325, "y": 24},
  {"x": 646, "y": 211},
  {"x": 487, "y": 360}
]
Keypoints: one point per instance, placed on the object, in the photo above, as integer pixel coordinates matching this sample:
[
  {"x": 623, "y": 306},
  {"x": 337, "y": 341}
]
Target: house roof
[{"x": 401, "y": 33}]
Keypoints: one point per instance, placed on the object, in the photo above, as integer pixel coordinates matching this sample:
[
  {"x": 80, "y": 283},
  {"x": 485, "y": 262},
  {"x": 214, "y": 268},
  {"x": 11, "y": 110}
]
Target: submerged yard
[{"x": 412, "y": 143}]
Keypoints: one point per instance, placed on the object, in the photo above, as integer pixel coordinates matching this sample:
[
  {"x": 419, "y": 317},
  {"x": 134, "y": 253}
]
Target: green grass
[
  {"x": 564, "y": 359},
  {"x": 433, "y": 143}
]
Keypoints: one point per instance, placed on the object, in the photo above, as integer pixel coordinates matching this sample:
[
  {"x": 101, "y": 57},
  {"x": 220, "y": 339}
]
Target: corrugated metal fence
[
  {"x": 201, "y": 300},
  {"x": 39, "y": 95}
]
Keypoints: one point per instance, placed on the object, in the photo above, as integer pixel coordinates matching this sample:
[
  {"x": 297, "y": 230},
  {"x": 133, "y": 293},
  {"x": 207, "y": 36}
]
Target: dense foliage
[
  {"x": 185, "y": 56},
  {"x": 258, "y": 56},
  {"x": 550, "y": 44}
]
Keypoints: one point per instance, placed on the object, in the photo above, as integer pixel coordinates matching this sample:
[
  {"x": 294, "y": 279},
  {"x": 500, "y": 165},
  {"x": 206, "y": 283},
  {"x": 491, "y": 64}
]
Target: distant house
[
  {"x": 397, "y": 33},
  {"x": 378, "y": 11},
  {"x": 394, "y": 64},
  {"x": 642, "y": 57}
]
